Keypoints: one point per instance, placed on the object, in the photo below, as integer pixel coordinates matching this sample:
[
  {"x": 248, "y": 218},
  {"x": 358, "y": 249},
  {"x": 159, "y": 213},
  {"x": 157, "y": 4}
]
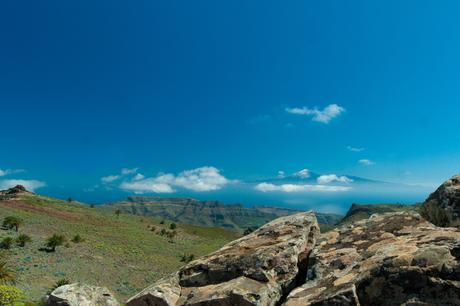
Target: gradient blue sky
[{"x": 231, "y": 92}]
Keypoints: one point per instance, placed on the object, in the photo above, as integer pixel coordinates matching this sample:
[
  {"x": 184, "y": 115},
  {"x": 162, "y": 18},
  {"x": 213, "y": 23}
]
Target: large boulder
[
  {"x": 442, "y": 207},
  {"x": 388, "y": 259},
  {"x": 258, "y": 269},
  {"x": 81, "y": 295}
]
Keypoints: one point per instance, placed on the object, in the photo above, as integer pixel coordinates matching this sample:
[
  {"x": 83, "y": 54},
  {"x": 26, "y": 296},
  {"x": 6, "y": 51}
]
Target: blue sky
[{"x": 102, "y": 99}]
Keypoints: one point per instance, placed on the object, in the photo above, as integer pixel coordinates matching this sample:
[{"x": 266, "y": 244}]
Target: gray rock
[
  {"x": 81, "y": 295},
  {"x": 389, "y": 259},
  {"x": 442, "y": 207},
  {"x": 258, "y": 269}
]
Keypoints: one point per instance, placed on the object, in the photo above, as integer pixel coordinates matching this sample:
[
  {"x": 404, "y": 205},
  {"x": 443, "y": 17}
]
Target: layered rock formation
[
  {"x": 389, "y": 259},
  {"x": 442, "y": 207},
  {"x": 258, "y": 269},
  {"x": 81, "y": 295}
]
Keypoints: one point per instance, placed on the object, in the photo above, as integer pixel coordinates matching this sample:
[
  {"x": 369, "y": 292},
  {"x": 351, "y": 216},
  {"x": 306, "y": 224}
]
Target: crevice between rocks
[{"x": 302, "y": 265}]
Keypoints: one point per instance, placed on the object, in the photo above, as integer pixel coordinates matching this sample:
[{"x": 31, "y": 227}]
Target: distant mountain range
[{"x": 234, "y": 217}]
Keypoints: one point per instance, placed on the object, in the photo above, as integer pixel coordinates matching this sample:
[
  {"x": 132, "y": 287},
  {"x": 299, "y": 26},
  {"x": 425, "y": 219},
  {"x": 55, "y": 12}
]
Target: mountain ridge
[{"x": 187, "y": 210}]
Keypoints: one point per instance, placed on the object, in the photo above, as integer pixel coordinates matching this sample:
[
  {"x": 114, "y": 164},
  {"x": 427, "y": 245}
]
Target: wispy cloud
[
  {"x": 366, "y": 162},
  {"x": 324, "y": 179},
  {"x": 30, "y": 185},
  {"x": 91, "y": 189},
  {"x": 324, "y": 116},
  {"x": 305, "y": 173},
  {"x": 124, "y": 171},
  {"x": 354, "y": 149},
  {"x": 200, "y": 179},
  {"x": 264, "y": 187},
  {"x": 110, "y": 178},
  {"x": 281, "y": 174},
  {"x": 9, "y": 171},
  {"x": 259, "y": 118},
  {"x": 138, "y": 177}
]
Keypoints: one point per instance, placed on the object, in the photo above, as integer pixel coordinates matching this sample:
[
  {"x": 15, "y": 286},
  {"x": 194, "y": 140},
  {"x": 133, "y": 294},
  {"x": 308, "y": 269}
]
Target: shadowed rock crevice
[{"x": 258, "y": 269}]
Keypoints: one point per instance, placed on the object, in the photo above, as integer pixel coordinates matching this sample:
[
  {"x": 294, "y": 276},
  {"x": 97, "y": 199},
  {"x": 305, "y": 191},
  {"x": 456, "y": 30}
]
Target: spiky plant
[
  {"x": 7, "y": 242},
  {"x": 23, "y": 239},
  {"x": 118, "y": 212},
  {"x": 7, "y": 274},
  {"x": 59, "y": 283},
  {"x": 55, "y": 241},
  {"x": 77, "y": 239}
]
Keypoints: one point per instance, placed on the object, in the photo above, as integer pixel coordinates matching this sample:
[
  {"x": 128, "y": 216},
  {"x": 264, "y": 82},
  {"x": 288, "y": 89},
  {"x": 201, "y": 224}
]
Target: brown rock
[
  {"x": 258, "y": 269},
  {"x": 389, "y": 259},
  {"x": 442, "y": 207}
]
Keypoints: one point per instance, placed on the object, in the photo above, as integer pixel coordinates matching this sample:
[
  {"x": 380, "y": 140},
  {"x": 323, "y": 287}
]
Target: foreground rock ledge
[
  {"x": 81, "y": 295},
  {"x": 389, "y": 259},
  {"x": 258, "y": 269}
]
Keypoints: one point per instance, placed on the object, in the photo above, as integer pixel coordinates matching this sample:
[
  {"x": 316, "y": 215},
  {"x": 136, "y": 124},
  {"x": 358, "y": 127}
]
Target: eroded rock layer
[
  {"x": 258, "y": 269},
  {"x": 389, "y": 259}
]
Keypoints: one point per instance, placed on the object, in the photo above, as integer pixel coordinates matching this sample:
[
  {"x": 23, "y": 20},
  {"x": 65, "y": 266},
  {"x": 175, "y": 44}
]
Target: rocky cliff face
[
  {"x": 442, "y": 207},
  {"x": 258, "y": 269},
  {"x": 388, "y": 259}
]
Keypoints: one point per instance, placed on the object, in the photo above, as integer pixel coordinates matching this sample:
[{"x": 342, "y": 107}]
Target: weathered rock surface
[
  {"x": 258, "y": 269},
  {"x": 442, "y": 207},
  {"x": 81, "y": 295},
  {"x": 389, "y": 259}
]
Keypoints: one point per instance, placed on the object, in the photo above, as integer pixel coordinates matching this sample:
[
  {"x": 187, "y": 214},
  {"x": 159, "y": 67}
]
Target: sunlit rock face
[
  {"x": 258, "y": 269},
  {"x": 389, "y": 259},
  {"x": 442, "y": 207},
  {"x": 81, "y": 295}
]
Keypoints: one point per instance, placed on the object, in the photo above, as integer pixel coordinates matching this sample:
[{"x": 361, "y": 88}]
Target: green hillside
[
  {"x": 121, "y": 253},
  {"x": 234, "y": 217}
]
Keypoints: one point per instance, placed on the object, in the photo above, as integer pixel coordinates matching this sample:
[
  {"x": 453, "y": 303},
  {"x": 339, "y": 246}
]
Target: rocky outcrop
[
  {"x": 389, "y": 259},
  {"x": 81, "y": 295},
  {"x": 442, "y": 207},
  {"x": 258, "y": 269}
]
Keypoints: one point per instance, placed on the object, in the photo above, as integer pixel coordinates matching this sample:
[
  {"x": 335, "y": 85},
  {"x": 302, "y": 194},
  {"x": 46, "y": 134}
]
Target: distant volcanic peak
[{"x": 305, "y": 173}]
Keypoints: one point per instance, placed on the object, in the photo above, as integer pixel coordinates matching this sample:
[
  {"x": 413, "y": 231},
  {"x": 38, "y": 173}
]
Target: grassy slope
[
  {"x": 122, "y": 254},
  {"x": 233, "y": 217}
]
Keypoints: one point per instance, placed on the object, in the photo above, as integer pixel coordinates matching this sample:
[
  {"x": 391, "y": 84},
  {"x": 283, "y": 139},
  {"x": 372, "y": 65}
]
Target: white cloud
[
  {"x": 29, "y": 185},
  {"x": 324, "y": 116},
  {"x": 355, "y": 149},
  {"x": 281, "y": 174},
  {"x": 200, "y": 179},
  {"x": 264, "y": 187},
  {"x": 366, "y": 162},
  {"x": 148, "y": 185},
  {"x": 324, "y": 179},
  {"x": 305, "y": 173},
  {"x": 138, "y": 177},
  {"x": 126, "y": 171},
  {"x": 8, "y": 171},
  {"x": 110, "y": 178}
]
